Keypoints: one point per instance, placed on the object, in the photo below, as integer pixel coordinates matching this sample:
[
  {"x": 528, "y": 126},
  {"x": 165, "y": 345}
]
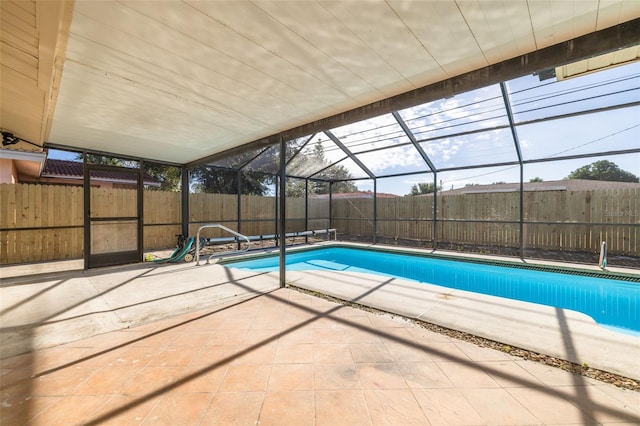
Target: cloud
[{"x": 389, "y": 161}]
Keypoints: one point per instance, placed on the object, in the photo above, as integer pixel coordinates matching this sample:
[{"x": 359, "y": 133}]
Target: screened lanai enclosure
[
  {"x": 319, "y": 212},
  {"x": 539, "y": 166},
  {"x": 506, "y": 128},
  {"x": 492, "y": 170}
]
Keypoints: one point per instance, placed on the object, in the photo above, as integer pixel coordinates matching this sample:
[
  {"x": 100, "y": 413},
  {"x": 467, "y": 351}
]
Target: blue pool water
[{"x": 610, "y": 302}]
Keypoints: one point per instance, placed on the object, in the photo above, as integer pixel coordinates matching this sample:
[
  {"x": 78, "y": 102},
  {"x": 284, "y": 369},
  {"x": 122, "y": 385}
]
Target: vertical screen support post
[{"x": 283, "y": 214}]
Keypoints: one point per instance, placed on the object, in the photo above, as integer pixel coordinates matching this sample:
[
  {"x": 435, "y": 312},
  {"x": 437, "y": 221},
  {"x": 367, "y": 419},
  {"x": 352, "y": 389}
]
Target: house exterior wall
[{"x": 8, "y": 171}]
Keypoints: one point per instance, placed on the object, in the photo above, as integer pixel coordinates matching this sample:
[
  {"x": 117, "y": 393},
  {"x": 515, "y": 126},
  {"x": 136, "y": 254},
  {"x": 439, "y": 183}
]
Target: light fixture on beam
[
  {"x": 546, "y": 74},
  {"x": 9, "y": 138}
]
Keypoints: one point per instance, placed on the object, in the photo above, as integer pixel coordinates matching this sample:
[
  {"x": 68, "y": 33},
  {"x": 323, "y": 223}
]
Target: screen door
[{"x": 113, "y": 223}]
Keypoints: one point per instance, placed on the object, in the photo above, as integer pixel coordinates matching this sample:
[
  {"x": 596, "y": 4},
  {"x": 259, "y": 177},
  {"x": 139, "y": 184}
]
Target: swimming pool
[{"x": 610, "y": 302}]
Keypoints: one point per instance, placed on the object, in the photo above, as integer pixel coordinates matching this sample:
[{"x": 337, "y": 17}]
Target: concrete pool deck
[
  {"x": 212, "y": 345},
  {"x": 39, "y": 311},
  {"x": 561, "y": 333},
  {"x": 288, "y": 358},
  {"x": 43, "y": 310}
]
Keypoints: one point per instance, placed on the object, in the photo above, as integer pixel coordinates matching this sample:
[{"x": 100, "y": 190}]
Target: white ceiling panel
[
  {"x": 391, "y": 40},
  {"x": 557, "y": 21},
  {"x": 161, "y": 123},
  {"x": 158, "y": 45},
  {"x": 328, "y": 34},
  {"x": 614, "y": 12},
  {"x": 443, "y": 31},
  {"x": 195, "y": 84},
  {"x": 268, "y": 29},
  {"x": 180, "y": 80},
  {"x": 232, "y": 54},
  {"x": 501, "y": 28}
]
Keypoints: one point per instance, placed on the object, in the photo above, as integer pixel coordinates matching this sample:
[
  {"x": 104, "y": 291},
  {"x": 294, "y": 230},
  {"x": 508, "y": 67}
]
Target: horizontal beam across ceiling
[
  {"x": 599, "y": 42},
  {"x": 504, "y": 163}
]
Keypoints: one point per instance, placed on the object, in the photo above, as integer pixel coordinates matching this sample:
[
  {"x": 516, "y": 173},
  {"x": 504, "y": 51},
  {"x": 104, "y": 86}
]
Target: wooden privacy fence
[
  {"x": 553, "y": 220},
  {"x": 40, "y": 222},
  {"x": 162, "y": 219},
  {"x": 257, "y": 214},
  {"x": 45, "y": 222}
]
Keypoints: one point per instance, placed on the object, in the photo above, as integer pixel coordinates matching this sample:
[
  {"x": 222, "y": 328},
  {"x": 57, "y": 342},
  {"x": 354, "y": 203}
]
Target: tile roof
[{"x": 75, "y": 170}]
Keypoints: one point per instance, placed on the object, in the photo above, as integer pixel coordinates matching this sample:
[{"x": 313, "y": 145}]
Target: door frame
[{"x": 114, "y": 258}]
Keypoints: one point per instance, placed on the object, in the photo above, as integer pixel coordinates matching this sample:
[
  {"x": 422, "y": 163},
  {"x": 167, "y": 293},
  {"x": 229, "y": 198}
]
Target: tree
[
  {"x": 170, "y": 177},
  {"x": 219, "y": 181},
  {"x": 335, "y": 172},
  {"x": 423, "y": 188},
  {"x": 296, "y": 188},
  {"x": 536, "y": 179},
  {"x": 603, "y": 170},
  {"x": 314, "y": 159}
]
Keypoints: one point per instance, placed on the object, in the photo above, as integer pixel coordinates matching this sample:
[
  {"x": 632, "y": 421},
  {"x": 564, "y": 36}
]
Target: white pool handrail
[
  {"x": 231, "y": 231},
  {"x": 602, "y": 261}
]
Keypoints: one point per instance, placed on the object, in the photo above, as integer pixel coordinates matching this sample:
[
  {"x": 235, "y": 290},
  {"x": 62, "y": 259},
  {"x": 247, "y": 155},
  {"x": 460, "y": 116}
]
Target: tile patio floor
[{"x": 287, "y": 358}]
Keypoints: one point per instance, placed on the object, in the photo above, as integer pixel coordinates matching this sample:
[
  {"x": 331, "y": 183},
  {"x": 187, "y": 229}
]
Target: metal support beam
[
  {"x": 514, "y": 134},
  {"x": 427, "y": 160},
  {"x": 331, "y": 206},
  {"x": 413, "y": 140},
  {"x": 184, "y": 197},
  {"x": 313, "y": 176},
  {"x": 590, "y": 155},
  {"x": 349, "y": 154},
  {"x": 306, "y": 209},
  {"x": 86, "y": 209},
  {"x": 283, "y": 214},
  {"x": 239, "y": 203},
  {"x": 435, "y": 210},
  {"x": 277, "y": 206},
  {"x": 375, "y": 210},
  {"x": 250, "y": 160},
  {"x": 300, "y": 149},
  {"x": 140, "y": 191}
]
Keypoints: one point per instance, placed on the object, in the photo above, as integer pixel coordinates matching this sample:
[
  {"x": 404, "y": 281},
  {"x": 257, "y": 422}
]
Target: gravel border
[{"x": 582, "y": 370}]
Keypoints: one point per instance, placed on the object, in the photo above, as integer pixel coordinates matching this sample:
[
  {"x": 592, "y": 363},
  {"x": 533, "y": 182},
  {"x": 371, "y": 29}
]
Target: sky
[
  {"x": 482, "y": 110},
  {"x": 481, "y": 114}
]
